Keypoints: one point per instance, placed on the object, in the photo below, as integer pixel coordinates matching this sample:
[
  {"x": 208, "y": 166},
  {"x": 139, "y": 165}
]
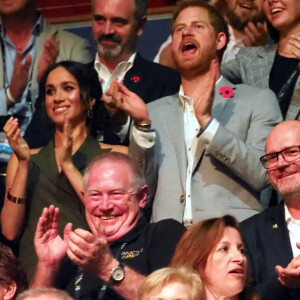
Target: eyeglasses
[{"x": 289, "y": 154}]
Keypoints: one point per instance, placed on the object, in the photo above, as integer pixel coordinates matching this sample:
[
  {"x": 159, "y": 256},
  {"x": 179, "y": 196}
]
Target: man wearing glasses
[{"x": 272, "y": 238}]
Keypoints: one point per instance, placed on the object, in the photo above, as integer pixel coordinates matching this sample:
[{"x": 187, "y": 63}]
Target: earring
[{"x": 90, "y": 113}]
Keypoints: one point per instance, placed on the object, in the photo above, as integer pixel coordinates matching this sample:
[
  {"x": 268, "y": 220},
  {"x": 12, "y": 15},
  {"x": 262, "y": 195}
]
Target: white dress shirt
[
  {"x": 192, "y": 140},
  {"x": 293, "y": 226},
  {"x": 106, "y": 77}
]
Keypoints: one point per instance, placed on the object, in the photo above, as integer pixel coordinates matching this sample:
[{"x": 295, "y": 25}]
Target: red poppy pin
[
  {"x": 227, "y": 91},
  {"x": 135, "y": 79}
]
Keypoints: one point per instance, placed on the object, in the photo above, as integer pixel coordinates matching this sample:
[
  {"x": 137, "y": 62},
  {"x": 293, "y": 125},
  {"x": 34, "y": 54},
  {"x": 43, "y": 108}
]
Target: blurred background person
[
  {"x": 13, "y": 278},
  {"x": 172, "y": 284},
  {"x": 44, "y": 294},
  {"x": 53, "y": 174},
  {"x": 274, "y": 66},
  {"x": 214, "y": 249}
]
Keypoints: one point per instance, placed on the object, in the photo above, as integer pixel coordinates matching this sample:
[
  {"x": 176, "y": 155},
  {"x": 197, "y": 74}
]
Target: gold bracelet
[
  {"x": 14, "y": 199},
  {"x": 145, "y": 126}
]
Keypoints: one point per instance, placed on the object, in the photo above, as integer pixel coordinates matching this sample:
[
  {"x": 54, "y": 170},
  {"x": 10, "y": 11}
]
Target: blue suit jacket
[{"x": 267, "y": 242}]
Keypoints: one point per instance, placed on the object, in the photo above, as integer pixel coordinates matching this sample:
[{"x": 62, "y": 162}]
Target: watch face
[{"x": 118, "y": 274}]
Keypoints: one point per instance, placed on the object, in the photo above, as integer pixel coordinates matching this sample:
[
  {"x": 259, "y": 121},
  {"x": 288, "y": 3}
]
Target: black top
[
  {"x": 283, "y": 77},
  {"x": 148, "y": 248}
]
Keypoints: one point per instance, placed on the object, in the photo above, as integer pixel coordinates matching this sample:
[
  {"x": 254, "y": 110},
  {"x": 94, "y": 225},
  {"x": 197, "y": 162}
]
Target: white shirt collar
[{"x": 186, "y": 100}]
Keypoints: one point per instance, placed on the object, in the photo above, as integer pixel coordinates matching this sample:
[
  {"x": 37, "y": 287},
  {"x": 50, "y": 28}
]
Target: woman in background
[{"x": 214, "y": 249}]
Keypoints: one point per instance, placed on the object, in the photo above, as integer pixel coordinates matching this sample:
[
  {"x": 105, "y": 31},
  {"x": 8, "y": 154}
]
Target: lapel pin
[
  {"x": 227, "y": 91},
  {"x": 275, "y": 226},
  {"x": 135, "y": 79}
]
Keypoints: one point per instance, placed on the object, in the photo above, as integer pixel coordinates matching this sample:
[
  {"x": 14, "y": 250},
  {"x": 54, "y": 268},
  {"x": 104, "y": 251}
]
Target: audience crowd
[{"x": 128, "y": 178}]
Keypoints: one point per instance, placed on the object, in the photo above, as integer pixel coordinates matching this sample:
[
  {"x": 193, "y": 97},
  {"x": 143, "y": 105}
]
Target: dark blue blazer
[
  {"x": 267, "y": 242},
  {"x": 149, "y": 80}
]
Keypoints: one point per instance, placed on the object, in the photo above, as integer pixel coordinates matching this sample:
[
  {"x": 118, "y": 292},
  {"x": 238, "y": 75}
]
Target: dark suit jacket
[
  {"x": 267, "y": 242},
  {"x": 150, "y": 81}
]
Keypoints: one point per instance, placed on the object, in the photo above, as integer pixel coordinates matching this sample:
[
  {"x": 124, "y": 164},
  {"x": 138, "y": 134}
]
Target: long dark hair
[{"x": 89, "y": 89}]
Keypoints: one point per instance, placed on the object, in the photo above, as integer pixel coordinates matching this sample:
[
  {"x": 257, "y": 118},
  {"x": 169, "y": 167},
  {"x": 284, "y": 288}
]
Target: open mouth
[
  {"x": 238, "y": 271},
  {"x": 275, "y": 11},
  {"x": 107, "y": 217},
  {"x": 60, "y": 109},
  {"x": 246, "y": 6},
  {"x": 189, "y": 48}
]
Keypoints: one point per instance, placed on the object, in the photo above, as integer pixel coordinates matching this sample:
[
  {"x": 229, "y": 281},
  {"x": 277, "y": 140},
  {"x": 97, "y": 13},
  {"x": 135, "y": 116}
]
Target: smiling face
[
  {"x": 240, "y": 12},
  {"x": 115, "y": 28},
  {"x": 111, "y": 199},
  {"x": 62, "y": 98},
  {"x": 195, "y": 42},
  {"x": 285, "y": 177},
  {"x": 226, "y": 266},
  {"x": 284, "y": 15}
]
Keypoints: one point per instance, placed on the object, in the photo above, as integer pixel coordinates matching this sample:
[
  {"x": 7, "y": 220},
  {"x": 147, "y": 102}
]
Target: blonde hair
[{"x": 162, "y": 277}]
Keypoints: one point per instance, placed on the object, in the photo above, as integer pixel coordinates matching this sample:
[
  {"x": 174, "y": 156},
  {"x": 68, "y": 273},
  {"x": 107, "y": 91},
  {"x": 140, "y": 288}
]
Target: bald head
[
  {"x": 284, "y": 176},
  {"x": 284, "y": 135}
]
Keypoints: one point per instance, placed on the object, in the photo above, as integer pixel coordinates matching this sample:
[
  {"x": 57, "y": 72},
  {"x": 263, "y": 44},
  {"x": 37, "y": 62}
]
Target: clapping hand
[
  {"x": 49, "y": 55},
  {"x": 49, "y": 246},
  {"x": 90, "y": 250},
  {"x": 15, "y": 140},
  {"x": 65, "y": 151},
  {"x": 20, "y": 75},
  {"x": 255, "y": 35},
  {"x": 290, "y": 276},
  {"x": 203, "y": 103},
  {"x": 120, "y": 98}
]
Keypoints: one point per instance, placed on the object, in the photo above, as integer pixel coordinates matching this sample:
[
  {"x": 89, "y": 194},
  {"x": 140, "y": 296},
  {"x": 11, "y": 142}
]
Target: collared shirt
[
  {"x": 233, "y": 47},
  {"x": 293, "y": 226},
  {"x": 23, "y": 108},
  {"x": 106, "y": 77},
  {"x": 193, "y": 141}
]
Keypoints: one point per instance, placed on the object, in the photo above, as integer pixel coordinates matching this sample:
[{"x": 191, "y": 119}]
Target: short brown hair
[
  {"x": 216, "y": 19},
  {"x": 11, "y": 269},
  {"x": 165, "y": 276}
]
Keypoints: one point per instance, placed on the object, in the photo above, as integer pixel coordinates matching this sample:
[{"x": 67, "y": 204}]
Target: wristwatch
[{"x": 117, "y": 274}]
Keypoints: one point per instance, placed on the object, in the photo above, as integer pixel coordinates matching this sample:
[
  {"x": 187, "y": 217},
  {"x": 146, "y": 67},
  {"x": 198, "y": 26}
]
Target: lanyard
[
  {"x": 28, "y": 96},
  {"x": 104, "y": 286}
]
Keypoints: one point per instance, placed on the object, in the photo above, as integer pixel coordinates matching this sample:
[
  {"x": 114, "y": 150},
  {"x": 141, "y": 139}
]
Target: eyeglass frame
[{"x": 265, "y": 164}]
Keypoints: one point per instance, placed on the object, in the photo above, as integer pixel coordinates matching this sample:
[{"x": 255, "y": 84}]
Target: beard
[
  {"x": 199, "y": 64},
  {"x": 109, "y": 51},
  {"x": 239, "y": 22}
]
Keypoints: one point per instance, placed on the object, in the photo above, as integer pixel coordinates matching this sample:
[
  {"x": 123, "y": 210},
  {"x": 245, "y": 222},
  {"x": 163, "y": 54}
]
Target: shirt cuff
[
  {"x": 123, "y": 131},
  {"x": 3, "y": 104},
  {"x": 209, "y": 131},
  {"x": 144, "y": 139}
]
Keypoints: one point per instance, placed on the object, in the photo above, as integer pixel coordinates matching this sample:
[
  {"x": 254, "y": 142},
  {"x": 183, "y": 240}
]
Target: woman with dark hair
[
  {"x": 274, "y": 66},
  {"x": 40, "y": 177},
  {"x": 214, "y": 248}
]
